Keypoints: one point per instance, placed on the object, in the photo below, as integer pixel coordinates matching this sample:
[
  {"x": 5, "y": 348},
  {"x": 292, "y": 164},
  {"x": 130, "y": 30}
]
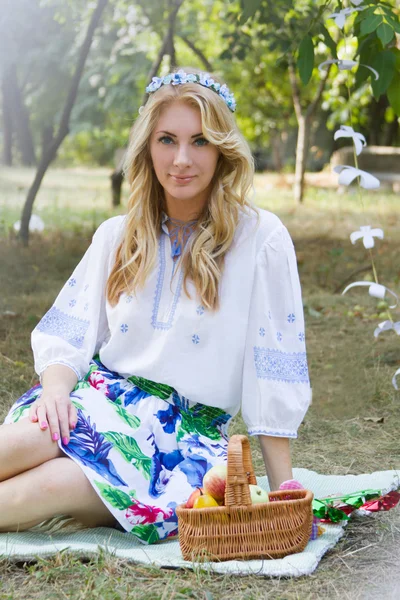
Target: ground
[{"x": 350, "y": 372}]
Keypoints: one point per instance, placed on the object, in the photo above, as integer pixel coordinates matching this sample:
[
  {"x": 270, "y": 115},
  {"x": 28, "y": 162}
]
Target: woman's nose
[{"x": 182, "y": 156}]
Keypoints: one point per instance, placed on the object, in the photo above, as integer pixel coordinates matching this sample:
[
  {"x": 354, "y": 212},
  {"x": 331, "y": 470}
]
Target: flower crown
[{"x": 203, "y": 79}]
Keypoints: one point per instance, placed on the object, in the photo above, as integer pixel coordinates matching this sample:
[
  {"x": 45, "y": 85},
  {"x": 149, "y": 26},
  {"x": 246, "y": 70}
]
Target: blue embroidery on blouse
[
  {"x": 291, "y": 318},
  {"x": 157, "y": 324},
  {"x": 124, "y": 328},
  {"x": 86, "y": 307},
  {"x": 269, "y": 315},
  {"x": 129, "y": 299},
  {"x": 200, "y": 310},
  {"x": 261, "y": 331},
  {"x": 290, "y": 367},
  {"x": 279, "y": 336},
  {"x": 72, "y": 282},
  {"x": 195, "y": 339},
  {"x": 86, "y": 287},
  {"x": 302, "y": 337},
  {"x": 71, "y": 329},
  {"x": 288, "y": 434},
  {"x": 72, "y": 303}
]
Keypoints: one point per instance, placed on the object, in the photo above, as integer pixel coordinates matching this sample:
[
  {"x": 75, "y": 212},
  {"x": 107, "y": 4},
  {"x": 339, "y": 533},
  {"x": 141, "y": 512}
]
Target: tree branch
[
  {"x": 295, "y": 88},
  {"x": 197, "y": 52}
]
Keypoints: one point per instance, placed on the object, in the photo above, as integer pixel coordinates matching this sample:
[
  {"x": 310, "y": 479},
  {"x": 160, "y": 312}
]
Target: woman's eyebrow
[{"x": 173, "y": 134}]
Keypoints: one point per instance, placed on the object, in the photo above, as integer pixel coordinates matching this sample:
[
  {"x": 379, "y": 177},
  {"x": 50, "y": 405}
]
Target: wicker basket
[{"x": 240, "y": 529}]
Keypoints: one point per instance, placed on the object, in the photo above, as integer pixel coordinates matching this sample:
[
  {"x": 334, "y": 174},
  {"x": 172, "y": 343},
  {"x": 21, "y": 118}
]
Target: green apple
[{"x": 257, "y": 494}]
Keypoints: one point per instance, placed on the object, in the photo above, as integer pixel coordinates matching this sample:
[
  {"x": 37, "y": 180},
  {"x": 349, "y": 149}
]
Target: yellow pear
[{"x": 205, "y": 501}]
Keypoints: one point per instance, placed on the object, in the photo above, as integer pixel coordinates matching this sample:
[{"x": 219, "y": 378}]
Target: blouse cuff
[
  {"x": 59, "y": 362},
  {"x": 272, "y": 432}
]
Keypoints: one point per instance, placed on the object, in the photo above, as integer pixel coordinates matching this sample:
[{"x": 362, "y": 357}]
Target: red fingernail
[
  {"x": 43, "y": 424},
  {"x": 55, "y": 436},
  {"x": 65, "y": 441}
]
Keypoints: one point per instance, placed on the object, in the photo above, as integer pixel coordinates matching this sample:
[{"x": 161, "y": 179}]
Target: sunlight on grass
[{"x": 81, "y": 197}]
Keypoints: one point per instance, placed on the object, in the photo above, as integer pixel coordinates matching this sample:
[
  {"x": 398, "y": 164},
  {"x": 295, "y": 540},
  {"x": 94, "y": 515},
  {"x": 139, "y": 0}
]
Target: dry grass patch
[{"x": 350, "y": 372}]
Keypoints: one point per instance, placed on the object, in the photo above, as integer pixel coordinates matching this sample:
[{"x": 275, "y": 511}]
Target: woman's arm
[
  {"x": 276, "y": 455},
  {"x": 58, "y": 377}
]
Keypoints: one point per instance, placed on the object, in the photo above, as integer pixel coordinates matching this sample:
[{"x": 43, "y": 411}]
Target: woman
[{"x": 180, "y": 313}]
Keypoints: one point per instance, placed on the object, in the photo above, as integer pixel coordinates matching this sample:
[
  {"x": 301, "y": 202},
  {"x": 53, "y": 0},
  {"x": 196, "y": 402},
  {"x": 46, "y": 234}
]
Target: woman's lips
[{"x": 182, "y": 179}]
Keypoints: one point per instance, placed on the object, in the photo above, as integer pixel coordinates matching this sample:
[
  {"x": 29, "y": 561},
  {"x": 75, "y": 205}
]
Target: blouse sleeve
[
  {"x": 72, "y": 330},
  {"x": 276, "y": 389}
]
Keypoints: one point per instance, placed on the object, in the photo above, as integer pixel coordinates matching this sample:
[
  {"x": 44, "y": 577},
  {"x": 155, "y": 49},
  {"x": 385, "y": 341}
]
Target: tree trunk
[
  {"x": 277, "y": 151},
  {"x": 117, "y": 177},
  {"x": 167, "y": 47},
  {"x": 20, "y": 117},
  {"x": 304, "y": 120},
  {"x": 47, "y": 137},
  {"x": 391, "y": 133},
  {"x": 7, "y": 126},
  {"x": 301, "y": 158},
  {"x": 63, "y": 131}
]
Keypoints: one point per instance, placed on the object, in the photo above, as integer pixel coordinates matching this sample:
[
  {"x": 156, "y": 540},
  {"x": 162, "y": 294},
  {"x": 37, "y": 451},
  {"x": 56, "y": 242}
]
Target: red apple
[
  {"x": 214, "y": 482},
  {"x": 193, "y": 497}
]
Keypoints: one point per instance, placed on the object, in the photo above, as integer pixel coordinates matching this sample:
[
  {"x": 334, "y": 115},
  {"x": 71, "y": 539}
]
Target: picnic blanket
[{"x": 33, "y": 543}]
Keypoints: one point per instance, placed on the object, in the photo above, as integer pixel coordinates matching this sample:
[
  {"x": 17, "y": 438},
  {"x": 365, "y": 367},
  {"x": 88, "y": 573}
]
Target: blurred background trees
[{"x": 268, "y": 52}]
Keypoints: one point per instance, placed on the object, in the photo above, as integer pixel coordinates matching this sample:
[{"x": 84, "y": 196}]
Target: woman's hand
[{"x": 55, "y": 409}]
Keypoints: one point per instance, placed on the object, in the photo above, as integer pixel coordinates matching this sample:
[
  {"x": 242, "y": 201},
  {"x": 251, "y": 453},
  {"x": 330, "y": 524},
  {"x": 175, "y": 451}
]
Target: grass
[{"x": 350, "y": 373}]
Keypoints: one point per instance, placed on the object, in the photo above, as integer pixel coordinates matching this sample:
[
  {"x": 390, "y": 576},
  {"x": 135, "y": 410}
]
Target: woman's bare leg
[
  {"x": 23, "y": 445},
  {"x": 56, "y": 487}
]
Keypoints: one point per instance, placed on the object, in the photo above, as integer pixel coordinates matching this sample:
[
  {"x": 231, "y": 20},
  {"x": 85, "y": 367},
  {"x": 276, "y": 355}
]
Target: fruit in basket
[
  {"x": 205, "y": 501},
  {"x": 257, "y": 494},
  {"x": 214, "y": 482},
  {"x": 193, "y": 496}
]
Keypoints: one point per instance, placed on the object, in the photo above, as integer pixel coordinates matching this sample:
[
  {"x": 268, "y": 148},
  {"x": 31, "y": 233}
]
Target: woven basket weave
[{"x": 240, "y": 529}]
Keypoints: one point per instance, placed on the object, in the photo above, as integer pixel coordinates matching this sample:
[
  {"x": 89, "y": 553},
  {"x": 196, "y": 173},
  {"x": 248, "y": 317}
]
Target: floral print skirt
[{"x": 143, "y": 447}]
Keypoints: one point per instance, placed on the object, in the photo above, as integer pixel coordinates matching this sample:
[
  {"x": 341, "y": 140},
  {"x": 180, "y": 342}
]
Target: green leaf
[
  {"x": 77, "y": 405},
  {"x": 147, "y": 533},
  {"x": 129, "y": 419},
  {"x": 385, "y": 63},
  {"x": 370, "y": 24},
  {"x": 385, "y": 33},
  {"x": 305, "y": 61},
  {"x": 129, "y": 449},
  {"x": 160, "y": 390},
  {"x": 117, "y": 498},
  {"x": 396, "y": 52},
  {"x": 249, "y": 9},
  {"x": 393, "y": 94},
  {"x": 328, "y": 41}
]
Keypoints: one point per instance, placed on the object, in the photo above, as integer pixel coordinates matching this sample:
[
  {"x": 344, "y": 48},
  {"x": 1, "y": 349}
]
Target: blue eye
[{"x": 167, "y": 137}]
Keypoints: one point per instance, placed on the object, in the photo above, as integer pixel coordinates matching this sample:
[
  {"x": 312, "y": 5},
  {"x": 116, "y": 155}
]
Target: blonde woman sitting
[{"x": 181, "y": 312}]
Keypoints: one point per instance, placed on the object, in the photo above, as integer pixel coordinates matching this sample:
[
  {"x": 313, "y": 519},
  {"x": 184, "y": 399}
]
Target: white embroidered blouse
[{"x": 249, "y": 355}]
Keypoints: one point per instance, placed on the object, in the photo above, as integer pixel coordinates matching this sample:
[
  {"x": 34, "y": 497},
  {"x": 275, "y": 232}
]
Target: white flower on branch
[
  {"x": 358, "y": 138},
  {"x": 341, "y": 16},
  {"x": 387, "y": 326},
  {"x": 367, "y": 234},
  {"x": 376, "y": 290},
  {"x": 348, "y": 174},
  {"x": 357, "y": 2},
  {"x": 346, "y": 64},
  {"x": 396, "y": 387}
]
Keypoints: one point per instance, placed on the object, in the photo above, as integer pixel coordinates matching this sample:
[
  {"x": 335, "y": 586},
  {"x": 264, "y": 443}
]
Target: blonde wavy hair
[{"x": 204, "y": 256}]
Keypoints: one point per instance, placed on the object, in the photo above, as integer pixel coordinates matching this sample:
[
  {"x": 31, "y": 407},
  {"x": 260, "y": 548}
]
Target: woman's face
[{"x": 184, "y": 161}]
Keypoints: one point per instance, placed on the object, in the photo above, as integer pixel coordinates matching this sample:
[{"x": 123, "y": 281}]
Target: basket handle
[{"x": 240, "y": 472}]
